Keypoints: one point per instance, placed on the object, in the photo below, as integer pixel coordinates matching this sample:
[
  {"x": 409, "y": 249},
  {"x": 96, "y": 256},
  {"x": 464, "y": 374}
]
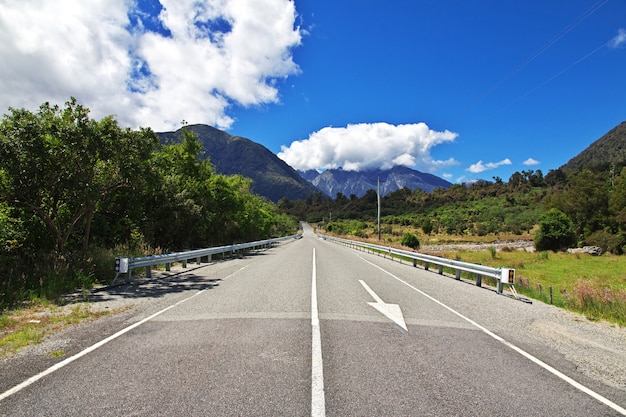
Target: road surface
[{"x": 307, "y": 328}]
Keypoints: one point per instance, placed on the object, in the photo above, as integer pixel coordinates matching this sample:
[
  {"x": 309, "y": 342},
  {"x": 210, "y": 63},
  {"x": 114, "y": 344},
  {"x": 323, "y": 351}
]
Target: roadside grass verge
[
  {"x": 592, "y": 285},
  {"x": 30, "y": 325}
]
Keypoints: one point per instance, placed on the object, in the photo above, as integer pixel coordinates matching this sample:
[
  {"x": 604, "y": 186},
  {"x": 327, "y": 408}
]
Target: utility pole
[
  {"x": 378, "y": 194},
  {"x": 378, "y": 198}
]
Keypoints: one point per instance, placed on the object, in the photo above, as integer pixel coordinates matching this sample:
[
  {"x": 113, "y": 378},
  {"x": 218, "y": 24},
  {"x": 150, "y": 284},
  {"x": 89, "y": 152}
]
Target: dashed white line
[{"x": 318, "y": 402}]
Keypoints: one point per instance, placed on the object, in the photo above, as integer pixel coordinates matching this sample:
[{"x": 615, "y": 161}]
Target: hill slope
[
  {"x": 271, "y": 176},
  {"x": 609, "y": 149}
]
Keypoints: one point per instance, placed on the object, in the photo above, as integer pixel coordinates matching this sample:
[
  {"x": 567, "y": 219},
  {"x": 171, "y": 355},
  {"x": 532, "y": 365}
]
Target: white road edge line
[
  {"x": 527, "y": 355},
  {"x": 318, "y": 402},
  {"x": 90, "y": 349}
]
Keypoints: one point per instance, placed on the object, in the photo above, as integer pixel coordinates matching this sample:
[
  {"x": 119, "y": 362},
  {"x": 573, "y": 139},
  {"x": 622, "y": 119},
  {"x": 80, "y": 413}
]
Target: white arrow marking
[{"x": 391, "y": 311}]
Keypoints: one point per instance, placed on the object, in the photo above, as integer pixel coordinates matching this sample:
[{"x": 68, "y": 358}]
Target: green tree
[
  {"x": 556, "y": 231},
  {"x": 427, "y": 226},
  {"x": 617, "y": 199},
  {"x": 585, "y": 200},
  {"x": 60, "y": 165}
]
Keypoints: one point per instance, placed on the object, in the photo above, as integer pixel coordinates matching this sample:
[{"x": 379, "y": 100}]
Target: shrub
[
  {"x": 410, "y": 240},
  {"x": 556, "y": 231},
  {"x": 427, "y": 226},
  {"x": 607, "y": 241}
]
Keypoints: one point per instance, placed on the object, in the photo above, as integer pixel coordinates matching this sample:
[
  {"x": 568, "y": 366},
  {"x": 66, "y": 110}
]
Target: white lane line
[
  {"x": 522, "y": 352},
  {"x": 90, "y": 349},
  {"x": 318, "y": 402}
]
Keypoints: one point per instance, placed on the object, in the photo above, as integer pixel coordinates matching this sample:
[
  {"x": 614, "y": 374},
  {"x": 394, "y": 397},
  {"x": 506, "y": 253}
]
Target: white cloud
[
  {"x": 479, "y": 166},
  {"x": 619, "y": 40},
  {"x": 368, "y": 146},
  {"x": 91, "y": 50},
  {"x": 531, "y": 161}
]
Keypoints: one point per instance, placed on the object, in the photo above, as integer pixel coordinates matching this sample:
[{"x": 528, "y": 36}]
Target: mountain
[
  {"x": 335, "y": 181},
  {"x": 609, "y": 149},
  {"x": 271, "y": 176}
]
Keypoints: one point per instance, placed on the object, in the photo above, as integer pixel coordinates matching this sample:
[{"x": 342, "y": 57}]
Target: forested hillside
[
  {"x": 594, "y": 202},
  {"x": 74, "y": 192},
  {"x": 603, "y": 154}
]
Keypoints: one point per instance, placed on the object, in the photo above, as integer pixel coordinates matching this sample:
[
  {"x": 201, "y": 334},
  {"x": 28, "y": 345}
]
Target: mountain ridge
[
  {"x": 334, "y": 181},
  {"x": 271, "y": 177}
]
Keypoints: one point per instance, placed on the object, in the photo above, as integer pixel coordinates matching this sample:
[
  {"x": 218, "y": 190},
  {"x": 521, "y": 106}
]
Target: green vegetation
[
  {"x": 26, "y": 326},
  {"x": 410, "y": 240},
  {"x": 592, "y": 285},
  {"x": 556, "y": 231},
  {"x": 77, "y": 192},
  {"x": 592, "y": 204}
]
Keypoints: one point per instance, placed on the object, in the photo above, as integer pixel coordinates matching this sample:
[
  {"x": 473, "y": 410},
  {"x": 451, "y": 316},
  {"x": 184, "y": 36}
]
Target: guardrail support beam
[{"x": 479, "y": 280}]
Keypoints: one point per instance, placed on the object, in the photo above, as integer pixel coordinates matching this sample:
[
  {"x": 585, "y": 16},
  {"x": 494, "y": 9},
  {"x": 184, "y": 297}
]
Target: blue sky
[{"x": 464, "y": 90}]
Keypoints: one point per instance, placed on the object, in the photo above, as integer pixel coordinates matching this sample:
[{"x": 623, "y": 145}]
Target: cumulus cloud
[
  {"x": 619, "y": 40},
  {"x": 192, "y": 60},
  {"x": 531, "y": 161},
  {"x": 479, "y": 166},
  {"x": 364, "y": 146}
]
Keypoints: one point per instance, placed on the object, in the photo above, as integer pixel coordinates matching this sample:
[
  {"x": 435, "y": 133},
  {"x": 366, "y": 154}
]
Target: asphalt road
[{"x": 309, "y": 328}]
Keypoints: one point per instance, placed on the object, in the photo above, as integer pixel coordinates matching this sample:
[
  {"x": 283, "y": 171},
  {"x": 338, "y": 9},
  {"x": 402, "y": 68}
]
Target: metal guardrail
[
  {"x": 126, "y": 265},
  {"x": 501, "y": 275}
]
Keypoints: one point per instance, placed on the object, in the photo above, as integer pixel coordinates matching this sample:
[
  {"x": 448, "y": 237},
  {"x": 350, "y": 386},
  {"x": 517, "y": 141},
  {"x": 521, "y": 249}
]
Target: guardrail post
[
  {"x": 414, "y": 263},
  {"x": 199, "y": 260},
  {"x": 500, "y": 287},
  {"x": 128, "y": 275},
  {"x": 458, "y": 274},
  {"x": 167, "y": 266},
  {"x": 148, "y": 272},
  {"x": 479, "y": 280},
  {"x": 426, "y": 266},
  {"x": 440, "y": 269},
  {"x": 184, "y": 263}
]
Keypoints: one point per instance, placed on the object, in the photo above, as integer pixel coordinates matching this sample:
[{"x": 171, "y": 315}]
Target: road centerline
[{"x": 318, "y": 402}]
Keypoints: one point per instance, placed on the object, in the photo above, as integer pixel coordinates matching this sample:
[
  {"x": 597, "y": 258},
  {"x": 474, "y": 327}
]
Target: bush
[
  {"x": 427, "y": 226},
  {"x": 607, "y": 241},
  {"x": 556, "y": 231},
  {"x": 410, "y": 240}
]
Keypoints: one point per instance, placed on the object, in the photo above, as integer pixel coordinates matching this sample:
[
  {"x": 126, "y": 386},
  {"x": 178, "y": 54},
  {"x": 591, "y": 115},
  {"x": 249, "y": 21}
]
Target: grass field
[{"x": 592, "y": 285}]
